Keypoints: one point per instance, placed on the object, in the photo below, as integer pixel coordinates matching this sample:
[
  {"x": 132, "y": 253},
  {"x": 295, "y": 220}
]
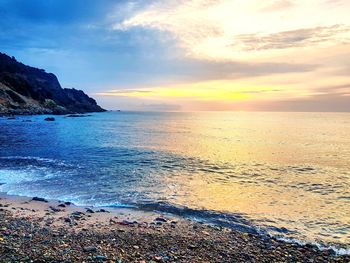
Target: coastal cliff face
[{"x": 28, "y": 90}]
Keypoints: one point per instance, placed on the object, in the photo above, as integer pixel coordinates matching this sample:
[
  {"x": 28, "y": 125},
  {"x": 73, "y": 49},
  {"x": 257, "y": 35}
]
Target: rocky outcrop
[{"x": 28, "y": 90}]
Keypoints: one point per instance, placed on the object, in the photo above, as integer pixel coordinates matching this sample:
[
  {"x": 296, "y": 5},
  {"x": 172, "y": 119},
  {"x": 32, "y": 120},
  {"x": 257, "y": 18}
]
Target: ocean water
[{"x": 281, "y": 174}]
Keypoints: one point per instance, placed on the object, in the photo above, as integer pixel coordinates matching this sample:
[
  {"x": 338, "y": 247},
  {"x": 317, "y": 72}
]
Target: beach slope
[{"x": 51, "y": 231}]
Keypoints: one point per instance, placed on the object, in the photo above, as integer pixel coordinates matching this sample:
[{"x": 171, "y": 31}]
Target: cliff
[{"x": 28, "y": 90}]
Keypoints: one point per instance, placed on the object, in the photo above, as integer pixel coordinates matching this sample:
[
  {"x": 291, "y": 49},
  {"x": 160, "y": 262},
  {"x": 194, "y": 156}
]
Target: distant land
[{"x": 27, "y": 90}]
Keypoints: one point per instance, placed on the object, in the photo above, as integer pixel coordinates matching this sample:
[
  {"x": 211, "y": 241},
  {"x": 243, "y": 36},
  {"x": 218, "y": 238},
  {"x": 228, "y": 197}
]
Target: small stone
[
  {"x": 89, "y": 249},
  {"x": 55, "y": 209},
  {"x": 77, "y": 214},
  {"x": 125, "y": 223},
  {"x": 191, "y": 246},
  {"x": 157, "y": 258},
  {"x": 39, "y": 199},
  {"x": 161, "y": 219},
  {"x": 99, "y": 257},
  {"x": 102, "y": 211},
  {"x": 111, "y": 221}
]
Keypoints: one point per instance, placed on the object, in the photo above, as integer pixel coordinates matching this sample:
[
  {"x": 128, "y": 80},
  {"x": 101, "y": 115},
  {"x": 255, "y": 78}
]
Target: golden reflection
[{"x": 264, "y": 167}]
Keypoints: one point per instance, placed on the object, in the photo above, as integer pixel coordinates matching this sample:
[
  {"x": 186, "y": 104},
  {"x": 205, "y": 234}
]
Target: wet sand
[{"x": 53, "y": 231}]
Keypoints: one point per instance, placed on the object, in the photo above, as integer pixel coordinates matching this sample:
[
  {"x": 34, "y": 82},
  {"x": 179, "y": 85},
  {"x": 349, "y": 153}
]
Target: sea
[{"x": 285, "y": 175}]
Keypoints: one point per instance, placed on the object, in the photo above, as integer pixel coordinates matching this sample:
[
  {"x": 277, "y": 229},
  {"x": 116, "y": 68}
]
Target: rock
[
  {"x": 157, "y": 258},
  {"x": 102, "y": 211},
  {"x": 206, "y": 233},
  {"x": 55, "y": 209},
  {"x": 49, "y": 119},
  {"x": 61, "y": 205},
  {"x": 100, "y": 258},
  {"x": 88, "y": 210},
  {"x": 39, "y": 199},
  {"x": 67, "y": 220},
  {"x": 125, "y": 223},
  {"x": 67, "y": 203},
  {"x": 161, "y": 219},
  {"x": 89, "y": 249},
  {"x": 77, "y": 215},
  {"x": 191, "y": 246},
  {"x": 111, "y": 221}
]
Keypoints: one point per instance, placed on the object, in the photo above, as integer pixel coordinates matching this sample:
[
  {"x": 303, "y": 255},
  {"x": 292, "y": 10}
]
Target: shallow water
[{"x": 285, "y": 174}]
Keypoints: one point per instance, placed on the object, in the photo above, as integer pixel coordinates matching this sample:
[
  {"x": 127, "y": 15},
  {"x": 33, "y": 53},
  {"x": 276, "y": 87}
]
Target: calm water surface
[{"x": 285, "y": 174}]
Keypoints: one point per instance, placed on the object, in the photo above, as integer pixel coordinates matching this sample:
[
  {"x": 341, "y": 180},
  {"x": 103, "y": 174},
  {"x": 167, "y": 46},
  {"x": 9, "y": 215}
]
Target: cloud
[
  {"x": 227, "y": 30},
  {"x": 160, "y": 107},
  {"x": 262, "y": 51},
  {"x": 290, "y": 39},
  {"x": 123, "y": 92},
  {"x": 277, "y": 5},
  {"x": 334, "y": 90},
  {"x": 316, "y": 103}
]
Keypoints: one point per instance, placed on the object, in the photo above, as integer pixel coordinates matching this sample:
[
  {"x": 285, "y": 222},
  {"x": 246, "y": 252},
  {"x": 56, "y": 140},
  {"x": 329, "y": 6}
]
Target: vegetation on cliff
[{"x": 28, "y": 90}]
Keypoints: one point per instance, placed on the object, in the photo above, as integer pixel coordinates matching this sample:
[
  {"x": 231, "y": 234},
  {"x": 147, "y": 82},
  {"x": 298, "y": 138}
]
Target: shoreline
[{"x": 52, "y": 230}]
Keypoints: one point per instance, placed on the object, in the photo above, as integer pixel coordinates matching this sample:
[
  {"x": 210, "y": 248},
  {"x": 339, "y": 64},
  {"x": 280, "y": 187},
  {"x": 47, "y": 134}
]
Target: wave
[
  {"x": 337, "y": 249},
  {"x": 233, "y": 221},
  {"x": 59, "y": 179},
  {"x": 31, "y": 160}
]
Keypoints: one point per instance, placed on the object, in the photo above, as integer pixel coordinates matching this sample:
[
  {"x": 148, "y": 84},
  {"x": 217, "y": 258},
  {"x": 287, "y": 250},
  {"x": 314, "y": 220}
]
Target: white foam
[
  {"x": 8, "y": 176},
  {"x": 340, "y": 251}
]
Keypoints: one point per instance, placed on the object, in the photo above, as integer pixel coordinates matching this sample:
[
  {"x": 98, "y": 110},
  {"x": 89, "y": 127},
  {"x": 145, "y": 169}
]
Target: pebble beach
[{"x": 38, "y": 230}]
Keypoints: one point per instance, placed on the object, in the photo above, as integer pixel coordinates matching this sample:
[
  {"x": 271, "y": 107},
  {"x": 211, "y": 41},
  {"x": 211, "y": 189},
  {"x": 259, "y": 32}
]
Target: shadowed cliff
[{"x": 28, "y": 90}]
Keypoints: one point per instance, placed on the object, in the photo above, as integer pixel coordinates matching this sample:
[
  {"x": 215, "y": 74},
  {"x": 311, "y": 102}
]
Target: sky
[{"x": 189, "y": 55}]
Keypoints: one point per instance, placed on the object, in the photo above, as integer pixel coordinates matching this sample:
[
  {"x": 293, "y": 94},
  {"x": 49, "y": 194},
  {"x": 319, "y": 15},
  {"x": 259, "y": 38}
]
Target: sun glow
[
  {"x": 224, "y": 91},
  {"x": 245, "y": 51}
]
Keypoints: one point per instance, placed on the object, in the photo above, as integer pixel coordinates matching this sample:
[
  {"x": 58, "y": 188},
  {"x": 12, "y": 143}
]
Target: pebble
[
  {"x": 89, "y": 249},
  {"x": 88, "y": 210},
  {"x": 39, "y": 199},
  {"x": 55, "y": 209},
  {"x": 102, "y": 211},
  {"x": 28, "y": 240},
  {"x": 67, "y": 220},
  {"x": 100, "y": 258},
  {"x": 161, "y": 219},
  {"x": 157, "y": 258}
]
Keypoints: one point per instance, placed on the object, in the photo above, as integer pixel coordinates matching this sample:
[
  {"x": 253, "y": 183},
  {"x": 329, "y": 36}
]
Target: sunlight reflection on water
[{"x": 287, "y": 173}]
